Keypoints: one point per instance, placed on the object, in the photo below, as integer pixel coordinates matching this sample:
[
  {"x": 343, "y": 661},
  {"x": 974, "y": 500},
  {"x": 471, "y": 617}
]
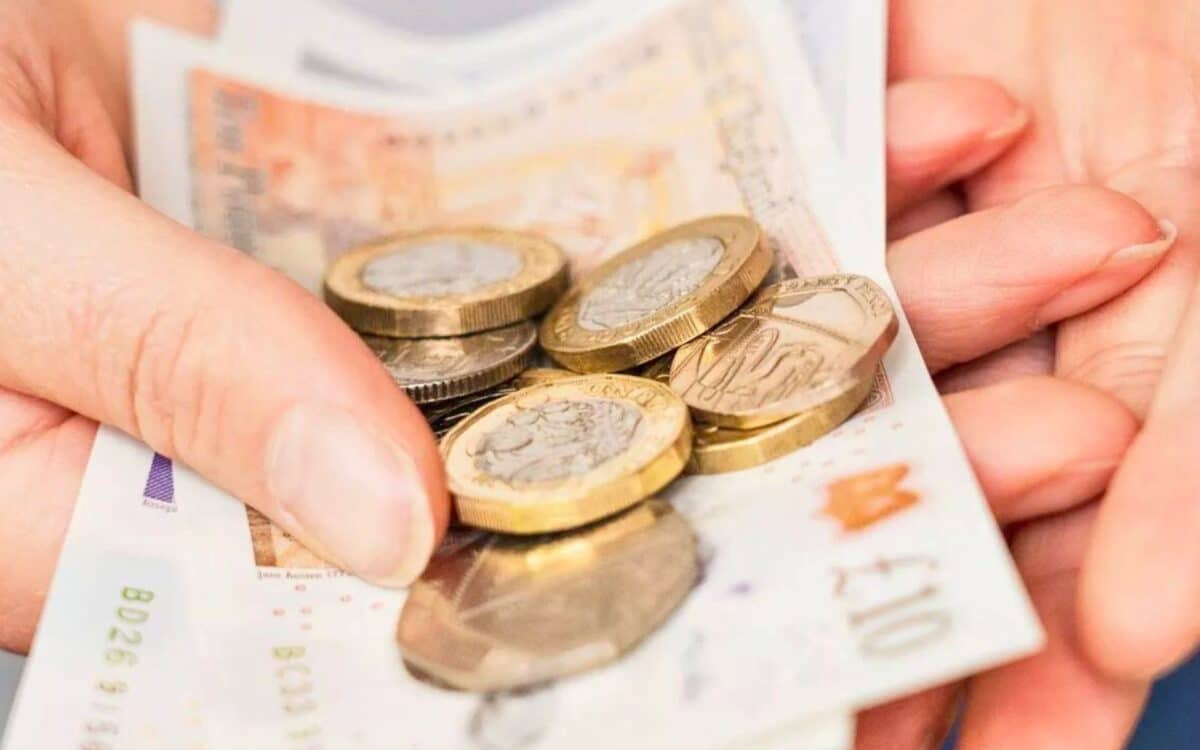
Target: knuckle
[
  {"x": 1129, "y": 371},
  {"x": 158, "y": 383}
]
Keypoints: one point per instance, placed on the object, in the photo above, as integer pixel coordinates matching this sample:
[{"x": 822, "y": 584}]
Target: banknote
[
  {"x": 325, "y": 38},
  {"x": 844, "y": 41},
  {"x": 863, "y": 567}
]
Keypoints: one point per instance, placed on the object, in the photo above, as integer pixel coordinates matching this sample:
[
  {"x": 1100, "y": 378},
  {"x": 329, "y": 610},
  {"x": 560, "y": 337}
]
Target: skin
[
  {"x": 151, "y": 332},
  {"x": 1109, "y": 92},
  {"x": 1058, "y": 697},
  {"x": 1110, "y": 86}
]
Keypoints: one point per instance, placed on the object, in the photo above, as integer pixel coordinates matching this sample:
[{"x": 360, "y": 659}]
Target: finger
[
  {"x": 1057, "y": 697},
  {"x": 1031, "y": 356},
  {"x": 915, "y": 722},
  {"x": 211, "y": 358},
  {"x": 989, "y": 278},
  {"x": 96, "y": 35},
  {"x": 940, "y": 130},
  {"x": 43, "y": 449},
  {"x": 1037, "y": 445},
  {"x": 938, "y": 208},
  {"x": 1141, "y": 585},
  {"x": 1121, "y": 346},
  {"x": 1040, "y": 444}
]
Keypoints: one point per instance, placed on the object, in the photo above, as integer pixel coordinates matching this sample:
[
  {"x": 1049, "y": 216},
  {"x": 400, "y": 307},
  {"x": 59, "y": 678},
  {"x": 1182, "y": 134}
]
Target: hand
[
  {"x": 112, "y": 313},
  {"x": 1112, "y": 89},
  {"x": 1041, "y": 447}
]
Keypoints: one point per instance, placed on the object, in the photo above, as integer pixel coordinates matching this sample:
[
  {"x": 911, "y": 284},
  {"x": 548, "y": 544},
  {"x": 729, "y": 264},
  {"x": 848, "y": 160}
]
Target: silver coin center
[
  {"x": 639, "y": 289},
  {"x": 557, "y": 439},
  {"x": 441, "y": 268}
]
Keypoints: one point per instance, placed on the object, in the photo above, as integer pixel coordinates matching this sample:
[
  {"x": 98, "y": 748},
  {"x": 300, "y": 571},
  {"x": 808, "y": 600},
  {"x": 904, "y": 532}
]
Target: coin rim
[
  {"x": 467, "y": 384},
  {"x": 679, "y": 322},
  {"x": 585, "y": 505},
  {"x": 531, "y": 292},
  {"x": 764, "y": 444},
  {"x": 863, "y": 367},
  {"x": 532, "y": 376}
]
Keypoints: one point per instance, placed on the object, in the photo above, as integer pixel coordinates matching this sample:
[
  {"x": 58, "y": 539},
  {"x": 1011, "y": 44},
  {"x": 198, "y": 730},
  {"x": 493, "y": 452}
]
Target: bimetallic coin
[
  {"x": 502, "y": 612},
  {"x": 445, "y": 282},
  {"x": 796, "y": 347},
  {"x": 717, "y": 450},
  {"x": 565, "y": 453},
  {"x": 657, "y": 295},
  {"x": 440, "y": 369}
]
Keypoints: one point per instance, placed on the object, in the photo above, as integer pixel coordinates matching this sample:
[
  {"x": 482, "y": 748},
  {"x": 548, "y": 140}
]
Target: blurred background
[{"x": 1171, "y": 720}]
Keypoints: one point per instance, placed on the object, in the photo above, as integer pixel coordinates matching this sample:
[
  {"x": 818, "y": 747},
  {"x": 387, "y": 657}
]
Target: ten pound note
[{"x": 863, "y": 567}]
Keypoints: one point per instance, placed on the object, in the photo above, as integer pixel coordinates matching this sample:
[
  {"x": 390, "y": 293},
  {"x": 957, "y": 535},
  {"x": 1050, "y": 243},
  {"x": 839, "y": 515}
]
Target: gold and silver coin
[
  {"x": 499, "y": 612},
  {"x": 717, "y": 450},
  {"x": 565, "y": 453},
  {"x": 445, "y": 282},
  {"x": 657, "y": 295},
  {"x": 444, "y": 368},
  {"x": 798, "y": 346}
]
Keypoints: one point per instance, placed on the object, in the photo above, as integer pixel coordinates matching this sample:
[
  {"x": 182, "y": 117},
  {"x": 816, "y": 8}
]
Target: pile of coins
[
  {"x": 675, "y": 360},
  {"x": 448, "y": 311}
]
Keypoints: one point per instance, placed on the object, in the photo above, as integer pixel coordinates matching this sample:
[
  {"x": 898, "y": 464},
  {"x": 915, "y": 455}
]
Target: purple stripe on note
[{"x": 160, "y": 484}]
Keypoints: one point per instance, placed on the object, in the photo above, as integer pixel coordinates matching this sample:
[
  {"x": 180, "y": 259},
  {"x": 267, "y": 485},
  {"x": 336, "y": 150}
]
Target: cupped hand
[
  {"x": 1111, "y": 86},
  {"x": 980, "y": 288},
  {"x": 112, "y": 313}
]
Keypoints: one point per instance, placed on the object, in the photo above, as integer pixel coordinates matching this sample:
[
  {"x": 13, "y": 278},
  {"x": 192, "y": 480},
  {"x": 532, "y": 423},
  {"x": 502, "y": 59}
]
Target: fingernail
[
  {"x": 353, "y": 495},
  {"x": 1146, "y": 250},
  {"x": 1083, "y": 293},
  {"x": 1050, "y": 495},
  {"x": 1013, "y": 124},
  {"x": 989, "y": 146}
]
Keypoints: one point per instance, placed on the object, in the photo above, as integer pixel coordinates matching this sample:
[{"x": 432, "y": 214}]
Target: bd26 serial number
[{"x": 101, "y": 725}]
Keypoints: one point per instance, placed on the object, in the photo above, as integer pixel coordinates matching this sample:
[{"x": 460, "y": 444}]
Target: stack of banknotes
[{"x": 178, "y": 618}]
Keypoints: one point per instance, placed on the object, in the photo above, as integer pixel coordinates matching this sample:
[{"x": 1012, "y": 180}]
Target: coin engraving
[
  {"x": 443, "y": 368},
  {"x": 440, "y": 268},
  {"x": 557, "y": 439},
  {"x": 798, "y": 345},
  {"x": 644, "y": 286},
  {"x": 566, "y": 452},
  {"x": 721, "y": 449},
  {"x": 656, "y": 295},
  {"x": 501, "y": 612}
]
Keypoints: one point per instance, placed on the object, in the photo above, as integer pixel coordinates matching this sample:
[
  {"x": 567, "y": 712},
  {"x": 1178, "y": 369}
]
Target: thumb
[{"x": 118, "y": 313}]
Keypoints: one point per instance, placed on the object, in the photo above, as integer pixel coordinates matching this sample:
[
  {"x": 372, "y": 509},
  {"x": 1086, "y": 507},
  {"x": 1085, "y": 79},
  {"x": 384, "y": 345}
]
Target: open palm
[{"x": 1110, "y": 90}]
